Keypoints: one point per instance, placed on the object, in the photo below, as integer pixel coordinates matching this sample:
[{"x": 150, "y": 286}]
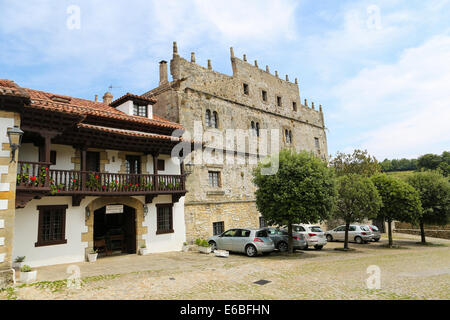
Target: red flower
[
  {"x": 58, "y": 190},
  {"x": 46, "y": 169},
  {"x": 96, "y": 183},
  {"x": 96, "y": 177},
  {"x": 74, "y": 181},
  {"x": 104, "y": 187},
  {"x": 33, "y": 178},
  {"x": 117, "y": 181}
]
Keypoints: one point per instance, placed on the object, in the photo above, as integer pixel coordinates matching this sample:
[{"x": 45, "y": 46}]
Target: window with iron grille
[
  {"x": 215, "y": 120},
  {"x": 218, "y": 228},
  {"x": 52, "y": 225},
  {"x": 164, "y": 218},
  {"x": 316, "y": 141},
  {"x": 139, "y": 110},
  {"x": 214, "y": 178}
]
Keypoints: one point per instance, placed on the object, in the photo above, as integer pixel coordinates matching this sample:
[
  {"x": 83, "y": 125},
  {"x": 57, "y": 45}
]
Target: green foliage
[
  {"x": 202, "y": 243},
  {"x": 357, "y": 199},
  {"x": 434, "y": 191},
  {"x": 360, "y": 162},
  {"x": 301, "y": 191},
  {"x": 20, "y": 259},
  {"x": 25, "y": 268},
  {"x": 401, "y": 202},
  {"x": 398, "y": 165}
]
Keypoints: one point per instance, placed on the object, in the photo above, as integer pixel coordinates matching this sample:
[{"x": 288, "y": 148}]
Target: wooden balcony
[{"x": 36, "y": 179}]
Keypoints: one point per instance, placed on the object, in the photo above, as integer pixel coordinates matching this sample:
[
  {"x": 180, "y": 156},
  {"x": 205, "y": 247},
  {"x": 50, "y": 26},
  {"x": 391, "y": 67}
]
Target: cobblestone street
[{"x": 411, "y": 271}]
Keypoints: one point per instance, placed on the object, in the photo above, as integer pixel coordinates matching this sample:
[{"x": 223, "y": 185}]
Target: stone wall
[
  {"x": 7, "y": 197},
  {"x": 194, "y": 90}
]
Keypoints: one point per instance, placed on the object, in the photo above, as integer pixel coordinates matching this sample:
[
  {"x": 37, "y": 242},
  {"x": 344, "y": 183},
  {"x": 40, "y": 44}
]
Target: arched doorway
[{"x": 115, "y": 229}]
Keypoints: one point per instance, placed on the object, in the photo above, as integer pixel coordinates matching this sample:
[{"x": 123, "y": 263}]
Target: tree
[
  {"x": 301, "y": 191},
  {"x": 429, "y": 161},
  {"x": 359, "y": 162},
  {"x": 357, "y": 199},
  {"x": 401, "y": 201},
  {"x": 434, "y": 192}
]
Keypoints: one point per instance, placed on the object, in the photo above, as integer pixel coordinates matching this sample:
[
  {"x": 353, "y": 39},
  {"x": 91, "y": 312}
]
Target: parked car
[
  {"x": 314, "y": 235},
  {"x": 356, "y": 233},
  {"x": 376, "y": 233},
  {"x": 280, "y": 239},
  {"x": 249, "y": 241}
]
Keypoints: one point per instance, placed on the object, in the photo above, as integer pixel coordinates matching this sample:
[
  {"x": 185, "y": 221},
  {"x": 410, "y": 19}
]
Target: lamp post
[{"x": 15, "y": 140}]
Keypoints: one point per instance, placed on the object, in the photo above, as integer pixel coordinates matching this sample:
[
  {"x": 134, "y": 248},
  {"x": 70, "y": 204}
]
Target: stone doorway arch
[{"x": 104, "y": 201}]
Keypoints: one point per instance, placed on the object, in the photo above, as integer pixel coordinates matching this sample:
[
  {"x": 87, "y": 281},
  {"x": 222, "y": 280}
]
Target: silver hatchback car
[
  {"x": 281, "y": 239},
  {"x": 248, "y": 241},
  {"x": 313, "y": 234},
  {"x": 356, "y": 233}
]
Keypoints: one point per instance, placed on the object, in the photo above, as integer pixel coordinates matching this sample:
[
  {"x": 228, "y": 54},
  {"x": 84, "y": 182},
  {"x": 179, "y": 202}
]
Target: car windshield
[
  {"x": 365, "y": 228},
  {"x": 316, "y": 229},
  {"x": 374, "y": 228}
]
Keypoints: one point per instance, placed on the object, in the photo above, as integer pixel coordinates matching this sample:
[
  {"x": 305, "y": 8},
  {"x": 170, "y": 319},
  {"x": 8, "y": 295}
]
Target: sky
[{"x": 380, "y": 69}]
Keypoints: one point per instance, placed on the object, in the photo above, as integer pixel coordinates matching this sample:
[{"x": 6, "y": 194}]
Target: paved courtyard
[{"x": 411, "y": 271}]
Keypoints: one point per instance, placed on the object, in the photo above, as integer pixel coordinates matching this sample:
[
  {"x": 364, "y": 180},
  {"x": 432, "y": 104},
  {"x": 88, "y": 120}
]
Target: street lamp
[{"x": 15, "y": 140}]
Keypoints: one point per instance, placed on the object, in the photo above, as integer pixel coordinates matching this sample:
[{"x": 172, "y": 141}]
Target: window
[
  {"x": 264, "y": 95},
  {"x": 230, "y": 233},
  {"x": 214, "y": 179},
  {"x": 262, "y": 234},
  {"x": 215, "y": 120},
  {"x": 294, "y": 106},
  {"x": 164, "y": 219},
  {"x": 42, "y": 156},
  {"x": 262, "y": 222},
  {"x": 316, "y": 142},
  {"x": 208, "y": 118},
  {"x": 52, "y": 225},
  {"x": 245, "y": 88},
  {"x": 140, "y": 110},
  {"x": 242, "y": 233},
  {"x": 218, "y": 228},
  {"x": 161, "y": 165},
  {"x": 298, "y": 229},
  {"x": 254, "y": 128},
  {"x": 133, "y": 164},
  {"x": 288, "y": 136},
  {"x": 279, "y": 101}
]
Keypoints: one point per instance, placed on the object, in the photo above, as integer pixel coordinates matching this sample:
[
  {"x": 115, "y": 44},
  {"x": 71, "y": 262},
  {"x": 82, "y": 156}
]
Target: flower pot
[
  {"x": 92, "y": 257},
  {"x": 28, "y": 277},
  {"x": 204, "y": 249},
  {"x": 18, "y": 265},
  {"x": 143, "y": 251}
]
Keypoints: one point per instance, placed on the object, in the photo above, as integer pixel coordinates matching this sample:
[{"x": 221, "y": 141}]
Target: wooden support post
[{"x": 155, "y": 170}]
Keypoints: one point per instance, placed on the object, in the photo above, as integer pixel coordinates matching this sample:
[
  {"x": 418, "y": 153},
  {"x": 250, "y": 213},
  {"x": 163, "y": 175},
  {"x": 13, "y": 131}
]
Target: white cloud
[{"x": 403, "y": 109}]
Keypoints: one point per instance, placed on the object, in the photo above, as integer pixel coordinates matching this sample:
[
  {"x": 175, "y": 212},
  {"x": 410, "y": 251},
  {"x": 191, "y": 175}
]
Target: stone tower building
[{"x": 221, "y": 196}]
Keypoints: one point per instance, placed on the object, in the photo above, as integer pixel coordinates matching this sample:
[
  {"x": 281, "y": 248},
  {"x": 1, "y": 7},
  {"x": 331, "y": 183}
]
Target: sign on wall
[{"x": 114, "y": 209}]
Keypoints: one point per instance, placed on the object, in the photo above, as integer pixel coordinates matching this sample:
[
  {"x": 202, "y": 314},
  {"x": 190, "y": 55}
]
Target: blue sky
[{"x": 381, "y": 69}]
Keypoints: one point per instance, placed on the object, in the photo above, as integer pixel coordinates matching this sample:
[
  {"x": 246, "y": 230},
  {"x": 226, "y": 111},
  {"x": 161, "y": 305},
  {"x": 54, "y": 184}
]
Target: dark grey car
[{"x": 280, "y": 239}]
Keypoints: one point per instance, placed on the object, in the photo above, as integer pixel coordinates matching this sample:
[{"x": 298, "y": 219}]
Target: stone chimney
[
  {"x": 107, "y": 98},
  {"x": 163, "y": 73}
]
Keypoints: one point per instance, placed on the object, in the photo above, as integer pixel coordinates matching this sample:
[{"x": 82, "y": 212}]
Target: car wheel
[
  {"x": 329, "y": 237},
  {"x": 213, "y": 245},
  {"x": 250, "y": 250},
  {"x": 318, "y": 247},
  {"x": 358, "y": 240},
  {"x": 283, "y": 246}
]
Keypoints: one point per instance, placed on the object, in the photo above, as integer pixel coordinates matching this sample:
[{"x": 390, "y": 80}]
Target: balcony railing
[{"x": 37, "y": 176}]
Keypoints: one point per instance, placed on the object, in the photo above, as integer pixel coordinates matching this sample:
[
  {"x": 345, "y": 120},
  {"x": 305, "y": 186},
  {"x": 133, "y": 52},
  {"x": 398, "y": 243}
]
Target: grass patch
[{"x": 10, "y": 293}]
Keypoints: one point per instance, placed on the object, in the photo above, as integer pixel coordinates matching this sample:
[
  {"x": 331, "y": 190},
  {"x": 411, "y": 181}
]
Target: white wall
[
  {"x": 113, "y": 167},
  {"x": 165, "y": 242},
  {"x": 29, "y": 152},
  {"x": 26, "y": 231},
  {"x": 172, "y": 165}
]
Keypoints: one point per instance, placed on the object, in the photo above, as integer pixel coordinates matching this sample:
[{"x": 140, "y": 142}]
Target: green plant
[
  {"x": 20, "y": 259},
  {"x": 25, "y": 268},
  {"x": 201, "y": 243},
  {"x": 93, "y": 251},
  {"x": 143, "y": 246}
]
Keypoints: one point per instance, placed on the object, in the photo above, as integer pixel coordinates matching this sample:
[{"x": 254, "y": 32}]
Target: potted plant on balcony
[
  {"x": 92, "y": 255},
  {"x": 143, "y": 250},
  {"x": 27, "y": 275},
  {"x": 19, "y": 262},
  {"x": 203, "y": 246}
]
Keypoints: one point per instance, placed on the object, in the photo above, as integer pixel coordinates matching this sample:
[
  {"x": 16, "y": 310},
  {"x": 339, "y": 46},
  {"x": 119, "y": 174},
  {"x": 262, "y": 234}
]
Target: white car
[
  {"x": 314, "y": 235},
  {"x": 358, "y": 234}
]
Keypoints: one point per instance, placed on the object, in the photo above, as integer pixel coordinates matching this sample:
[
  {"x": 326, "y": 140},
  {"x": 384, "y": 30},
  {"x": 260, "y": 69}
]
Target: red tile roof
[
  {"x": 50, "y": 101},
  {"x": 130, "y": 96},
  {"x": 10, "y": 88},
  {"x": 128, "y": 132}
]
